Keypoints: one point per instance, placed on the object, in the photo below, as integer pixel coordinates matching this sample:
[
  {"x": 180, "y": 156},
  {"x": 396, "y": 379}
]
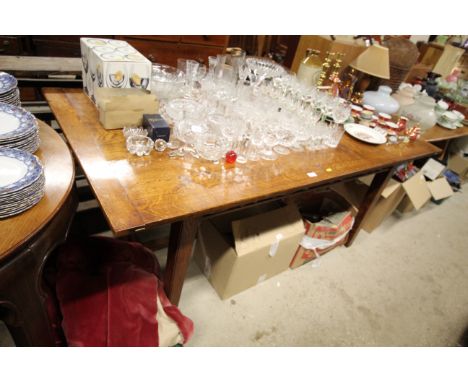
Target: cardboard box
[
  {"x": 432, "y": 169},
  {"x": 459, "y": 164},
  {"x": 112, "y": 64},
  {"x": 328, "y": 233},
  {"x": 417, "y": 193},
  {"x": 440, "y": 189},
  {"x": 238, "y": 254},
  {"x": 124, "y": 107},
  {"x": 388, "y": 201}
]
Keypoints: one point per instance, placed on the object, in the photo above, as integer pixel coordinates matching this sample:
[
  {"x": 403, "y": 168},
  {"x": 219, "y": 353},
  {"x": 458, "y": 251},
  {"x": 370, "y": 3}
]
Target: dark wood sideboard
[{"x": 163, "y": 49}]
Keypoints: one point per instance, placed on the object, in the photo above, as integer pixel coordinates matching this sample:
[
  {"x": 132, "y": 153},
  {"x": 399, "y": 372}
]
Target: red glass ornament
[{"x": 231, "y": 156}]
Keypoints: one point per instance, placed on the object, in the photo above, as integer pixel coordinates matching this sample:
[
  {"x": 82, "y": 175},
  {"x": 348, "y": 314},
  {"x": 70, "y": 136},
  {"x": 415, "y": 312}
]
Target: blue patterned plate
[
  {"x": 7, "y": 82},
  {"x": 18, "y": 169},
  {"x": 5, "y": 213},
  {"x": 15, "y": 122}
]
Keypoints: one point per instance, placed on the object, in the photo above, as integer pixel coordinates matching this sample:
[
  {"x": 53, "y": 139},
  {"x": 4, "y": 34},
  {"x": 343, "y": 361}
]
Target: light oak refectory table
[{"x": 137, "y": 193}]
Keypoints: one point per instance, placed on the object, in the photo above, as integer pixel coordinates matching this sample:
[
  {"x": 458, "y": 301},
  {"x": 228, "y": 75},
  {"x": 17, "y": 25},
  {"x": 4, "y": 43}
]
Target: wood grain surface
[
  {"x": 438, "y": 133},
  {"x": 59, "y": 174},
  {"x": 139, "y": 192}
]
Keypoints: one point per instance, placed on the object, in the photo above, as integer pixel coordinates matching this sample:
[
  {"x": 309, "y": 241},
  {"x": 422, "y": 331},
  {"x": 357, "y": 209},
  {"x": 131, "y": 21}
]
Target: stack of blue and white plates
[
  {"x": 9, "y": 92},
  {"x": 18, "y": 128},
  {"x": 21, "y": 181}
]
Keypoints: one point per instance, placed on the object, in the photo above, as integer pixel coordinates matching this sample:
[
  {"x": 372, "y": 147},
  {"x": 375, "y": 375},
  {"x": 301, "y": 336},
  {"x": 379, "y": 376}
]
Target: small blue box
[{"x": 156, "y": 126}]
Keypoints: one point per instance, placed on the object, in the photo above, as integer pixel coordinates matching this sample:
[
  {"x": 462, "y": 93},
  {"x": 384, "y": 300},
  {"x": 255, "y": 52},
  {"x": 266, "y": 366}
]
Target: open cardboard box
[
  {"x": 432, "y": 169},
  {"x": 440, "y": 189},
  {"x": 389, "y": 199},
  {"x": 406, "y": 196},
  {"x": 459, "y": 164},
  {"x": 417, "y": 193},
  {"x": 239, "y": 250}
]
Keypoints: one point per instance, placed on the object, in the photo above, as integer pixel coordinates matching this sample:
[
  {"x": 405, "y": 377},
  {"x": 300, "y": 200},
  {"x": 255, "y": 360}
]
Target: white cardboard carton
[
  {"x": 238, "y": 254},
  {"x": 432, "y": 169},
  {"x": 112, "y": 64}
]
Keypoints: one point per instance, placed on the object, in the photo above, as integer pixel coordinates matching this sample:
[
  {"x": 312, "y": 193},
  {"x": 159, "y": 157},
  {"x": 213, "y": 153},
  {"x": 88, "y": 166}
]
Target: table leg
[
  {"x": 373, "y": 193},
  {"x": 445, "y": 146},
  {"x": 24, "y": 312},
  {"x": 179, "y": 251}
]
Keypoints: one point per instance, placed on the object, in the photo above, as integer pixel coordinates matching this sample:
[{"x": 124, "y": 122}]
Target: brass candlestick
[
  {"x": 337, "y": 66},
  {"x": 325, "y": 68}
]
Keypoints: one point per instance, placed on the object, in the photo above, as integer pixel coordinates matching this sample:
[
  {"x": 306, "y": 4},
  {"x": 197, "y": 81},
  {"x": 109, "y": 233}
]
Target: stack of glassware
[{"x": 252, "y": 107}]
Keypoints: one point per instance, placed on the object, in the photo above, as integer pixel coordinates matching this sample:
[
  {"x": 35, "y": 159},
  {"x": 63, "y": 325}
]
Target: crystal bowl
[
  {"x": 129, "y": 131},
  {"x": 139, "y": 145},
  {"x": 265, "y": 67},
  {"x": 211, "y": 146},
  {"x": 166, "y": 81}
]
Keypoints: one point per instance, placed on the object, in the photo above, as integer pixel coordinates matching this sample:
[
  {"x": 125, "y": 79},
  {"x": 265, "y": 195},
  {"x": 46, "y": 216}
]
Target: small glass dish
[
  {"x": 160, "y": 145},
  {"x": 129, "y": 131},
  {"x": 139, "y": 145}
]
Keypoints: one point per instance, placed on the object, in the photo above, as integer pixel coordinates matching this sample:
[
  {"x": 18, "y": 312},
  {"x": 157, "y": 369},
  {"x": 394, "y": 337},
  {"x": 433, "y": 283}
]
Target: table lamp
[{"x": 374, "y": 61}]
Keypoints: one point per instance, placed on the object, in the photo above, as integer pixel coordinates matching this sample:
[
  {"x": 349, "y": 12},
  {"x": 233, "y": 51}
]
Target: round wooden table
[{"x": 27, "y": 240}]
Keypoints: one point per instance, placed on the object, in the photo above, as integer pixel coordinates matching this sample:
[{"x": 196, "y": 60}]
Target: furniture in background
[
  {"x": 430, "y": 54},
  {"x": 350, "y": 48},
  {"x": 15, "y": 45},
  {"x": 34, "y": 72},
  {"x": 450, "y": 58},
  {"x": 167, "y": 49},
  {"x": 27, "y": 241},
  {"x": 163, "y": 49},
  {"x": 281, "y": 48}
]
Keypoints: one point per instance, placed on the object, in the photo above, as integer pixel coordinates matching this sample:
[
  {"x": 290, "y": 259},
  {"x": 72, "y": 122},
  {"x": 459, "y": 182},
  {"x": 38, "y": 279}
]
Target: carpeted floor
[{"x": 406, "y": 284}]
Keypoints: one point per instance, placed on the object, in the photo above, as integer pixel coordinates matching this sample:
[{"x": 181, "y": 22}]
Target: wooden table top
[
  {"x": 439, "y": 133},
  {"x": 139, "y": 192},
  {"x": 59, "y": 175}
]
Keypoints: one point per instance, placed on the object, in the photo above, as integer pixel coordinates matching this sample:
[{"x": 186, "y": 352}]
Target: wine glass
[
  {"x": 341, "y": 111},
  {"x": 270, "y": 140},
  {"x": 335, "y": 133}
]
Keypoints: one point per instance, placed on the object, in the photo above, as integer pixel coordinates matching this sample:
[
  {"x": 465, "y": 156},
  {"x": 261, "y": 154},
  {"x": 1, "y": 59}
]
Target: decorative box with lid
[{"x": 112, "y": 64}]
